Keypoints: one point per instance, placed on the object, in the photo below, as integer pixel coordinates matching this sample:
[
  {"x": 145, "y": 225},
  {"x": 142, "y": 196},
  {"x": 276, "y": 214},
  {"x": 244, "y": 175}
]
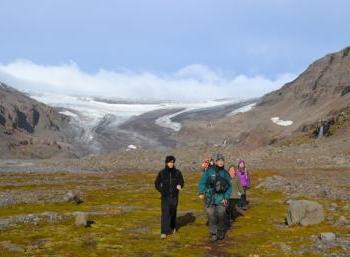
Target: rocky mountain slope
[
  {"x": 29, "y": 128},
  {"x": 320, "y": 96},
  {"x": 315, "y": 104}
]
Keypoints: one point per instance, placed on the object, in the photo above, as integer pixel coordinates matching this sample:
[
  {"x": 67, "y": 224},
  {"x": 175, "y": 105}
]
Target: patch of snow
[
  {"x": 132, "y": 147},
  {"x": 245, "y": 108},
  {"x": 166, "y": 122},
  {"x": 280, "y": 122},
  {"x": 68, "y": 113}
]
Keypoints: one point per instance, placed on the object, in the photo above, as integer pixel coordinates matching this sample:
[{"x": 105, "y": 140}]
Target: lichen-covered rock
[
  {"x": 81, "y": 219},
  {"x": 327, "y": 236},
  {"x": 305, "y": 213}
]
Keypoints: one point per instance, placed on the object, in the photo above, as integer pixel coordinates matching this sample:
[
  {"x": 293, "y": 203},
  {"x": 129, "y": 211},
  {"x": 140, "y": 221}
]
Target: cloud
[{"x": 191, "y": 83}]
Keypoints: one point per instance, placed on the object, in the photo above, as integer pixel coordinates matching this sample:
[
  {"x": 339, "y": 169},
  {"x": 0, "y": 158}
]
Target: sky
[{"x": 169, "y": 49}]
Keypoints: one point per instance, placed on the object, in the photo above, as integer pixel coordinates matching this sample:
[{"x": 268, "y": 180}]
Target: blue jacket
[{"x": 204, "y": 186}]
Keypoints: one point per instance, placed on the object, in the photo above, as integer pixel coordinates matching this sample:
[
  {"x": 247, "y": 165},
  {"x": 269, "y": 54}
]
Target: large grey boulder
[{"x": 304, "y": 212}]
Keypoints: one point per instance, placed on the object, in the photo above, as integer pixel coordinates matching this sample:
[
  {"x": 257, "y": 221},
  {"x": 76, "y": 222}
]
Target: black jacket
[{"x": 167, "y": 180}]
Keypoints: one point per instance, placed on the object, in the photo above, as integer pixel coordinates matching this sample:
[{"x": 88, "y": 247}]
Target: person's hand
[
  {"x": 179, "y": 187},
  {"x": 224, "y": 202},
  {"x": 201, "y": 196}
]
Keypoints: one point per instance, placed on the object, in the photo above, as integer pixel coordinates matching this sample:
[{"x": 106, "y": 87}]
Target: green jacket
[
  {"x": 204, "y": 186},
  {"x": 237, "y": 189}
]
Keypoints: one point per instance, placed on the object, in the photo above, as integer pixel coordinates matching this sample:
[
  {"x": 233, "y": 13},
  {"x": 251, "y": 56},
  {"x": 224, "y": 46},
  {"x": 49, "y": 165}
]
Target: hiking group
[{"x": 224, "y": 193}]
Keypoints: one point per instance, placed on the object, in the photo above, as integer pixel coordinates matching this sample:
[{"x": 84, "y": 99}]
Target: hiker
[
  {"x": 212, "y": 162},
  {"x": 215, "y": 187},
  {"x": 237, "y": 191},
  {"x": 169, "y": 182},
  {"x": 231, "y": 169},
  {"x": 205, "y": 165},
  {"x": 243, "y": 174}
]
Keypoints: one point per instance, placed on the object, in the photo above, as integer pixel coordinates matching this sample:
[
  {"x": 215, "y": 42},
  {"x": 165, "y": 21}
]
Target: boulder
[
  {"x": 305, "y": 213},
  {"x": 327, "y": 236},
  {"x": 81, "y": 219},
  {"x": 73, "y": 197},
  {"x": 342, "y": 221}
]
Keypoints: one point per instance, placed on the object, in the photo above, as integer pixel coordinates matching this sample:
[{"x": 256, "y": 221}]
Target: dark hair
[{"x": 170, "y": 158}]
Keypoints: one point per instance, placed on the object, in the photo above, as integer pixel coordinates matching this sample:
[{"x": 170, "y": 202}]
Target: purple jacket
[{"x": 244, "y": 177}]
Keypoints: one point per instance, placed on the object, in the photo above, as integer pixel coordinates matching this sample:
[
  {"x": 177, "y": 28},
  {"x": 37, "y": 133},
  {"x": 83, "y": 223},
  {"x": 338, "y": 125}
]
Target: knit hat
[
  {"x": 232, "y": 164},
  {"x": 170, "y": 158},
  {"x": 219, "y": 156},
  {"x": 239, "y": 162}
]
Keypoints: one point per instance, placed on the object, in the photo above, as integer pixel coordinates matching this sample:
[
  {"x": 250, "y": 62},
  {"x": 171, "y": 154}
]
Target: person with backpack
[
  {"x": 215, "y": 187},
  {"x": 169, "y": 182},
  {"x": 237, "y": 191},
  {"x": 243, "y": 174},
  {"x": 205, "y": 165}
]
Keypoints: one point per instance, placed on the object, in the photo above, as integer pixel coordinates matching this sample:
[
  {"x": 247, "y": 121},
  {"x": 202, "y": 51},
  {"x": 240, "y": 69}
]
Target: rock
[
  {"x": 342, "y": 221},
  {"x": 330, "y": 218},
  {"x": 52, "y": 217},
  {"x": 300, "y": 161},
  {"x": 327, "y": 236},
  {"x": 334, "y": 205},
  {"x": 273, "y": 182},
  {"x": 80, "y": 219},
  {"x": 11, "y": 247},
  {"x": 305, "y": 213},
  {"x": 4, "y": 223},
  {"x": 284, "y": 247},
  {"x": 73, "y": 197}
]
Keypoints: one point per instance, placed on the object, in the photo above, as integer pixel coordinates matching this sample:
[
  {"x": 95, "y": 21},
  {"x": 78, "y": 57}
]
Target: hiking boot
[
  {"x": 213, "y": 238},
  {"x": 221, "y": 235},
  {"x": 162, "y": 236},
  {"x": 174, "y": 231},
  {"x": 240, "y": 211}
]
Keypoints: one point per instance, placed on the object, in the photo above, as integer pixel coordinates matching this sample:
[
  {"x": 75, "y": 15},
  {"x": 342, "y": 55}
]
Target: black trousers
[
  {"x": 244, "y": 202},
  {"x": 168, "y": 218},
  {"x": 231, "y": 208}
]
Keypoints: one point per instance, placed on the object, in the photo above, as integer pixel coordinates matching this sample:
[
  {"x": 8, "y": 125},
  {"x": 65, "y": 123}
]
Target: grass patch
[{"x": 136, "y": 232}]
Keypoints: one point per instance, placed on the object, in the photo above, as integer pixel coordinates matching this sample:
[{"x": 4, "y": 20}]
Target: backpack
[{"x": 220, "y": 183}]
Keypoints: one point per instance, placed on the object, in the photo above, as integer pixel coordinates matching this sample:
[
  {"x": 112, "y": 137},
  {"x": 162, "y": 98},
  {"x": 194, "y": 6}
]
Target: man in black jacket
[{"x": 169, "y": 182}]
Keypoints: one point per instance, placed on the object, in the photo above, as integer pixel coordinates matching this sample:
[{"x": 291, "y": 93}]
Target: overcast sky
[{"x": 203, "y": 48}]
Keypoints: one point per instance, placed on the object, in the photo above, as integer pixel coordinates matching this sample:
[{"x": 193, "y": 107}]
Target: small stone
[
  {"x": 330, "y": 218},
  {"x": 80, "y": 219},
  {"x": 4, "y": 223},
  {"x": 285, "y": 248},
  {"x": 334, "y": 205},
  {"x": 11, "y": 247},
  {"x": 327, "y": 236},
  {"x": 73, "y": 197},
  {"x": 342, "y": 221}
]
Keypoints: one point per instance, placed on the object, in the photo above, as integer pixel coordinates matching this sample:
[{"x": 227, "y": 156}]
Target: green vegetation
[{"x": 130, "y": 226}]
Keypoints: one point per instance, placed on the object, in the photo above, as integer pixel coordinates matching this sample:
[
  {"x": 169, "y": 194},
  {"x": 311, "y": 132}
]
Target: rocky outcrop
[
  {"x": 20, "y": 112},
  {"x": 305, "y": 213},
  {"x": 28, "y": 127},
  {"x": 327, "y": 79}
]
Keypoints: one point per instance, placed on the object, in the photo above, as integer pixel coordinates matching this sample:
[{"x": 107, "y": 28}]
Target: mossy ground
[{"x": 136, "y": 232}]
